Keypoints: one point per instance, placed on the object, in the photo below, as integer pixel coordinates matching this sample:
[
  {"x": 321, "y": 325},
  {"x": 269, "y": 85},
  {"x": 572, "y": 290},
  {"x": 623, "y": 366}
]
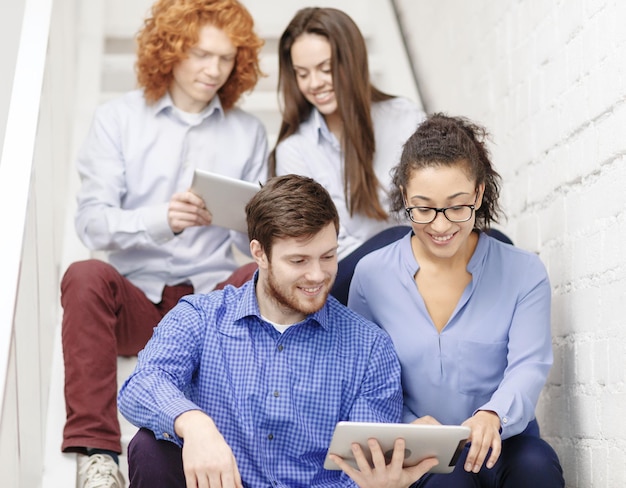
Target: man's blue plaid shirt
[{"x": 274, "y": 397}]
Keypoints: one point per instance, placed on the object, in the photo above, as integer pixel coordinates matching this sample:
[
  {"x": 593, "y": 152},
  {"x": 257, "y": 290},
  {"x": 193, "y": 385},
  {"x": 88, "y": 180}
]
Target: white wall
[
  {"x": 11, "y": 13},
  {"x": 549, "y": 81}
]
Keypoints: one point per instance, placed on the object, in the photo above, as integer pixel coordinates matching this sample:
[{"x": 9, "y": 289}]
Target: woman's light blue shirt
[
  {"x": 494, "y": 353},
  {"x": 314, "y": 151}
]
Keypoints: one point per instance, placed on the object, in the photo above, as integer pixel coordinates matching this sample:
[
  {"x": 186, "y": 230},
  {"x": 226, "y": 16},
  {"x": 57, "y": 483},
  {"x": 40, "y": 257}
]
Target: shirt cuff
[
  {"x": 503, "y": 411},
  {"x": 165, "y": 428},
  {"x": 157, "y": 226}
]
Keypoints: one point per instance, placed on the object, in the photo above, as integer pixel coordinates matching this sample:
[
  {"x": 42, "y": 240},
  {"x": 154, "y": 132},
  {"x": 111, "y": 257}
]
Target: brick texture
[{"x": 548, "y": 79}]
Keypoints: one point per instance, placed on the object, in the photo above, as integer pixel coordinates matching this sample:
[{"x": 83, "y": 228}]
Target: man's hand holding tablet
[
  {"x": 381, "y": 472},
  {"x": 374, "y": 454}
]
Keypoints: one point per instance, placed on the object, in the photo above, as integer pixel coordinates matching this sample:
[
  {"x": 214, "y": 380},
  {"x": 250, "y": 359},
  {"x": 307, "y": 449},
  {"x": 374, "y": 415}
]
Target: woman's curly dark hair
[
  {"x": 447, "y": 141},
  {"x": 173, "y": 28}
]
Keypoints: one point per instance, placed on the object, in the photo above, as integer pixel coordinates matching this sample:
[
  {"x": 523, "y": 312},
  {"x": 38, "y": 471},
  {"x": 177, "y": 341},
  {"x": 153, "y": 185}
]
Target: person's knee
[
  {"x": 534, "y": 458},
  {"x": 153, "y": 462},
  {"x": 536, "y": 452},
  {"x": 83, "y": 274},
  {"x": 141, "y": 448}
]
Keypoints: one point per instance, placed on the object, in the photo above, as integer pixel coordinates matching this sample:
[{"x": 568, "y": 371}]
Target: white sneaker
[{"x": 98, "y": 471}]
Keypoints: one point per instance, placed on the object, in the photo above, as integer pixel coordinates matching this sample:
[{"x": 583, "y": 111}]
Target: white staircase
[{"x": 106, "y": 69}]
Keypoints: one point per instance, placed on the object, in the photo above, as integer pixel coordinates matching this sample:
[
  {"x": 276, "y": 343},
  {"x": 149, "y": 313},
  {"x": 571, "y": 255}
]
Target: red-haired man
[{"x": 195, "y": 59}]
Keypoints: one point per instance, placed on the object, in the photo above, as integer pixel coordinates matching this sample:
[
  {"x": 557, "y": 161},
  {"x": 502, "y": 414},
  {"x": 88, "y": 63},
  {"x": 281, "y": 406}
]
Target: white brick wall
[{"x": 548, "y": 79}]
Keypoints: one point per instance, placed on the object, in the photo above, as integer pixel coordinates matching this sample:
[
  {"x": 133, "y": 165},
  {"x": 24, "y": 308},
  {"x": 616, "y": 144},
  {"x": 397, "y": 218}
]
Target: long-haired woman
[{"x": 340, "y": 129}]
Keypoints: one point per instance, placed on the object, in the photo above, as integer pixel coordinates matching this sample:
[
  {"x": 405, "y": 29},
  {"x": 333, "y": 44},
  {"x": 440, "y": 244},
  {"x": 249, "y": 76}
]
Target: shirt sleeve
[
  {"x": 101, "y": 223},
  {"x": 356, "y": 298},
  {"x": 153, "y": 396},
  {"x": 358, "y": 303},
  {"x": 380, "y": 394},
  {"x": 382, "y": 387},
  {"x": 529, "y": 356}
]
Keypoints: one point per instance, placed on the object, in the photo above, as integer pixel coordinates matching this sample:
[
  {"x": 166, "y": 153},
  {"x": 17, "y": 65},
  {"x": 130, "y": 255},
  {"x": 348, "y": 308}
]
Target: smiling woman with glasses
[{"x": 469, "y": 315}]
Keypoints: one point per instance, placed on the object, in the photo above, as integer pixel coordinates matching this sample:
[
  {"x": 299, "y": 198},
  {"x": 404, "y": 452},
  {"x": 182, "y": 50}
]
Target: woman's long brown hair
[{"x": 354, "y": 93}]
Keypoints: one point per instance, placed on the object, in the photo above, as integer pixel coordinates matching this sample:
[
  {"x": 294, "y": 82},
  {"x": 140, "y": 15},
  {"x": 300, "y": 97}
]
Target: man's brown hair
[{"x": 289, "y": 206}]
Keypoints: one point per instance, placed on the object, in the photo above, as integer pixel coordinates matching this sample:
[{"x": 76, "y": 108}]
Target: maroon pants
[{"x": 104, "y": 316}]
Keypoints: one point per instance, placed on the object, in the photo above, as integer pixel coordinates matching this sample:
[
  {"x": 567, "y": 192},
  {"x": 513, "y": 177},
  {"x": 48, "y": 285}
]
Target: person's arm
[
  {"x": 101, "y": 222},
  {"x": 380, "y": 393},
  {"x": 529, "y": 358},
  {"x": 356, "y": 298},
  {"x": 152, "y": 396},
  {"x": 256, "y": 166},
  {"x": 207, "y": 458},
  {"x": 380, "y": 400}
]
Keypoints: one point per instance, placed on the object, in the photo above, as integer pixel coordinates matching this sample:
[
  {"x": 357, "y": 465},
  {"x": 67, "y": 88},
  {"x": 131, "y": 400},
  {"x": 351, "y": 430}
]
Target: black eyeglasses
[{"x": 456, "y": 214}]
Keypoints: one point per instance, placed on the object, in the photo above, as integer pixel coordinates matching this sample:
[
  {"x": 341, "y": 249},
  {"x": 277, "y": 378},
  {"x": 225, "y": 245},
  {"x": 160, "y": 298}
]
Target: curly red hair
[{"x": 173, "y": 28}]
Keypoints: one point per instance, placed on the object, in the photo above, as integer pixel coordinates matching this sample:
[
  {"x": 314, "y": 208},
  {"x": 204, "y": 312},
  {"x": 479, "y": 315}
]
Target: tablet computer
[
  {"x": 445, "y": 442},
  {"x": 225, "y": 197}
]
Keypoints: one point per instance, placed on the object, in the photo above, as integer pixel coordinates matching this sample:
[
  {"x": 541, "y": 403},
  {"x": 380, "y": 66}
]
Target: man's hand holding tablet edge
[{"x": 442, "y": 442}]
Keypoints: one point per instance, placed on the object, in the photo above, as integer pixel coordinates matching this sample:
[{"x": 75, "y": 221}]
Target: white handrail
[{"x": 17, "y": 161}]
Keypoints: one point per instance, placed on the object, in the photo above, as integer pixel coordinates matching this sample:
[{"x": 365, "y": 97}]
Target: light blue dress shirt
[
  {"x": 274, "y": 397},
  {"x": 134, "y": 159},
  {"x": 494, "y": 353},
  {"x": 315, "y": 152}
]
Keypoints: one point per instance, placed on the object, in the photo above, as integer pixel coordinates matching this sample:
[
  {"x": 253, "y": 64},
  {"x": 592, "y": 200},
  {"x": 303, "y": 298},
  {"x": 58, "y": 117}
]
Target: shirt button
[
  {"x": 276, "y": 394},
  {"x": 270, "y": 436},
  {"x": 166, "y": 435},
  {"x": 280, "y": 347},
  {"x": 505, "y": 420}
]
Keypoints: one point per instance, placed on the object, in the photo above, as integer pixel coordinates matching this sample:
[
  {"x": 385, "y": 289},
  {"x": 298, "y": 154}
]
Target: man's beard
[{"x": 287, "y": 298}]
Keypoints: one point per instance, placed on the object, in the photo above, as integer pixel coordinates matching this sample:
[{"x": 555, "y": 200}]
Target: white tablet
[
  {"x": 445, "y": 442},
  {"x": 225, "y": 197}
]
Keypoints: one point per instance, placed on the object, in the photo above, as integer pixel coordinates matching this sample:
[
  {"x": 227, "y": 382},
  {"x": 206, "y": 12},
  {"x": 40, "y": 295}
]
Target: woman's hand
[
  {"x": 485, "y": 435},
  {"x": 381, "y": 474}
]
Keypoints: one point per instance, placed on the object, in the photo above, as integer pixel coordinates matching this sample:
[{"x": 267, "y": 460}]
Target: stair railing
[{"x": 33, "y": 180}]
